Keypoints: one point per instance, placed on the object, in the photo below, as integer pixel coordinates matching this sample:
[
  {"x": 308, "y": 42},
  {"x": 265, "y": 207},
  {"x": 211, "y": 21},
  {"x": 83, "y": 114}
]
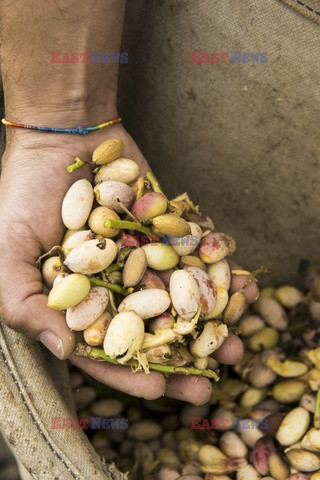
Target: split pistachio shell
[
  {"x": 160, "y": 257},
  {"x": 247, "y": 472},
  {"x": 187, "y": 245},
  {"x": 211, "y": 338},
  {"x": 70, "y": 291},
  {"x": 94, "y": 334},
  {"x": 308, "y": 401},
  {"x": 201, "y": 219},
  {"x": 209, "y": 454},
  {"x": 314, "y": 476},
  {"x": 149, "y": 206},
  {"x": 192, "y": 261},
  {"x": 220, "y": 274},
  {"x": 293, "y": 426},
  {"x": 303, "y": 460},
  {"x": 83, "y": 396},
  {"x": 249, "y": 434},
  {"x": 288, "y": 296},
  {"x": 51, "y": 268},
  {"x": 97, "y": 218},
  {"x": 170, "y": 224},
  {"x": 107, "y": 193},
  {"x": 260, "y": 375},
  {"x": 115, "y": 277},
  {"x": 151, "y": 279},
  {"x": 278, "y": 466},
  {"x": 75, "y": 240},
  {"x": 274, "y": 421},
  {"x": 224, "y": 418},
  {"x": 216, "y": 246},
  {"x": 311, "y": 440},
  {"x": 185, "y": 294},
  {"x": 188, "y": 450},
  {"x": 212, "y": 476},
  {"x": 108, "y": 151},
  {"x": 241, "y": 280},
  {"x": 121, "y": 170},
  {"x": 72, "y": 232},
  {"x": 235, "y": 308},
  {"x": 144, "y": 430},
  {"x": 221, "y": 303},
  {"x": 60, "y": 277},
  {"x": 250, "y": 324},
  {"x": 261, "y": 452},
  {"x": 107, "y": 407},
  {"x": 124, "y": 336},
  {"x": 146, "y": 303},
  {"x": 207, "y": 289},
  {"x": 165, "y": 320},
  {"x": 232, "y": 445},
  {"x": 289, "y": 391},
  {"x": 168, "y": 457},
  {"x": 77, "y": 204},
  {"x": 263, "y": 339},
  {"x": 288, "y": 368},
  {"x": 165, "y": 276},
  {"x": 272, "y": 312},
  {"x": 314, "y": 309},
  {"x": 231, "y": 350},
  {"x": 86, "y": 312},
  {"x": 134, "y": 267},
  {"x": 168, "y": 473},
  {"x": 313, "y": 378},
  {"x": 267, "y": 292},
  {"x": 92, "y": 256},
  {"x": 252, "y": 396}
]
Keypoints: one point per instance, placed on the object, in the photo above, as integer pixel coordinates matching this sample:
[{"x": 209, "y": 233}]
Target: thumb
[{"x": 24, "y": 307}]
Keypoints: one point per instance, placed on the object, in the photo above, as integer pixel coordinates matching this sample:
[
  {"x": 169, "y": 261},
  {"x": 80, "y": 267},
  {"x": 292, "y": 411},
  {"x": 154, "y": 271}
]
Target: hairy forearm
[{"x": 38, "y": 90}]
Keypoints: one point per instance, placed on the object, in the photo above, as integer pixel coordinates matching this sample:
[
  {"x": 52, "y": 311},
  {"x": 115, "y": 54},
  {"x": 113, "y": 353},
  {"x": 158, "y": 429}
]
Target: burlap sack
[{"x": 243, "y": 139}]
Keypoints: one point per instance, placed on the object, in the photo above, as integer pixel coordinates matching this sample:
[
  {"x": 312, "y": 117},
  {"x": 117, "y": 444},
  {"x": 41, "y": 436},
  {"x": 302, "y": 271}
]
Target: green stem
[
  {"x": 154, "y": 182},
  {"x": 112, "y": 268},
  {"x": 111, "y": 286},
  {"x": 252, "y": 276},
  {"x": 128, "y": 226},
  {"x": 77, "y": 164},
  {"x": 316, "y": 417},
  {"x": 98, "y": 354}
]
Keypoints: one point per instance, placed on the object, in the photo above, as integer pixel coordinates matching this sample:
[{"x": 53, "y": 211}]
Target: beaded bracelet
[{"x": 80, "y": 130}]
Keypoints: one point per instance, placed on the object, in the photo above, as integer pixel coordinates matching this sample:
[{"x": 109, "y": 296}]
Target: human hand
[{"x": 33, "y": 183}]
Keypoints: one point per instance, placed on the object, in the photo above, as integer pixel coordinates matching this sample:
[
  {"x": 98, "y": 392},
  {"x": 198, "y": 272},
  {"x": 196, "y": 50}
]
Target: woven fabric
[
  {"x": 242, "y": 139},
  {"x": 30, "y": 396}
]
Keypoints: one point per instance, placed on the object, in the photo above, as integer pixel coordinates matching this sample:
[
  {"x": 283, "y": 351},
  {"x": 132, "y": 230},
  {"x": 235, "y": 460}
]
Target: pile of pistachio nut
[
  {"x": 144, "y": 277},
  {"x": 263, "y": 420}
]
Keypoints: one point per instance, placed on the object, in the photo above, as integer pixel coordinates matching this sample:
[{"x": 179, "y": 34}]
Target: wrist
[{"x": 69, "y": 115}]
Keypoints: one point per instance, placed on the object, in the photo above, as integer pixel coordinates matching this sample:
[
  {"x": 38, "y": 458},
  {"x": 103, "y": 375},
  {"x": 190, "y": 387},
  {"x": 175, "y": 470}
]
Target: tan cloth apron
[{"x": 242, "y": 139}]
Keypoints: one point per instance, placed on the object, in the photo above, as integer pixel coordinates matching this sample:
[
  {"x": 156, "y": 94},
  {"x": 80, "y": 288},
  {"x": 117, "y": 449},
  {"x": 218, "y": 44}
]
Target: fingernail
[{"x": 53, "y": 343}]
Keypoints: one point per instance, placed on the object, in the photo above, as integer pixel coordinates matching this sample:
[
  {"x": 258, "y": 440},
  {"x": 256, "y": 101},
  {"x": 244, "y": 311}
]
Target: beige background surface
[{"x": 242, "y": 139}]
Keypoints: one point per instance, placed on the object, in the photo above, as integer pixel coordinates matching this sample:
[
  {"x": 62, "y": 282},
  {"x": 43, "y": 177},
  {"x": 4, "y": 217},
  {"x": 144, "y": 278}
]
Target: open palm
[{"x": 33, "y": 183}]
